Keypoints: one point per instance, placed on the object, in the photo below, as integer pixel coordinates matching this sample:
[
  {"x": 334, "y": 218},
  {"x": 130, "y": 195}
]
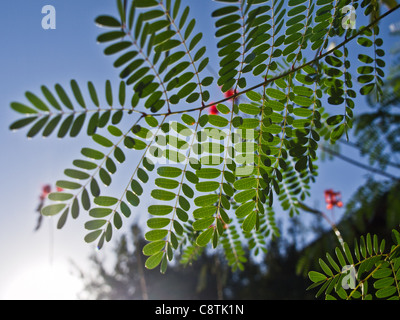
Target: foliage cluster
[{"x": 216, "y": 176}]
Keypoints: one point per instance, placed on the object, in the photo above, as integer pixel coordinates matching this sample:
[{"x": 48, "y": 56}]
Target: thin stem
[
  {"x": 359, "y": 164},
  {"x": 356, "y": 146},
  {"x": 322, "y": 214}
]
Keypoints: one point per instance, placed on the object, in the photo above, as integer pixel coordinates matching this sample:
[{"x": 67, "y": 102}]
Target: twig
[
  {"x": 322, "y": 214},
  {"x": 359, "y": 164},
  {"x": 356, "y": 146}
]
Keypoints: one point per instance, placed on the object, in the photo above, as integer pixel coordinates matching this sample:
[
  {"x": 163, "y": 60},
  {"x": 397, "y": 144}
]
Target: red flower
[
  {"x": 45, "y": 191},
  {"x": 213, "y": 109},
  {"x": 229, "y": 93},
  {"x": 333, "y": 199}
]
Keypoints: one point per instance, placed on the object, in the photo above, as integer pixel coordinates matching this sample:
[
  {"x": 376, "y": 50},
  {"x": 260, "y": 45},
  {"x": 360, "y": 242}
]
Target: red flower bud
[
  {"x": 46, "y": 189},
  {"x": 333, "y": 199},
  {"x": 229, "y": 93},
  {"x": 213, "y": 109}
]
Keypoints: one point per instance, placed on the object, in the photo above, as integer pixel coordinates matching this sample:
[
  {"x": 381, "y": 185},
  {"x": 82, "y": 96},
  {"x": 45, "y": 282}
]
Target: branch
[
  {"x": 332, "y": 224},
  {"x": 356, "y": 146},
  {"x": 285, "y": 74},
  {"x": 359, "y": 164}
]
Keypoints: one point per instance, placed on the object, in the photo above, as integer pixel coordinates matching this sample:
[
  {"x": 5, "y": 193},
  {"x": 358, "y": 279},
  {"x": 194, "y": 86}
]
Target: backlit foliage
[{"x": 290, "y": 82}]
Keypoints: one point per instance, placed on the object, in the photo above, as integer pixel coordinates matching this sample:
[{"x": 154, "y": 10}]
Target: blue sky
[{"x": 31, "y": 57}]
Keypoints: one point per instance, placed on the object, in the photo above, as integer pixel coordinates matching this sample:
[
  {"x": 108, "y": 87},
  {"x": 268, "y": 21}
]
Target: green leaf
[
  {"x": 245, "y": 209},
  {"x": 85, "y": 199},
  {"x": 204, "y": 237},
  {"x": 158, "y": 223},
  {"x": 77, "y": 93},
  {"x": 155, "y": 235},
  {"x": 340, "y": 257},
  {"x": 100, "y": 212},
  {"x": 77, "y": 125},
  {"x": 203, "y": 212},
  {"x": 144, "y": 3},
  {"x": 217, "y": 121},
  {"x": 249, "y": 109},
  {"x": 125, "y": 209},
  {"x": 105, "y": 201},
  {"x": 117, "y": 221},
  {"x": 163, "y": 195},
  {"x": 382, "y": 273},
  {"x": 76, "y": 174},
  {"x": 36, "y": 101},
  {"x": 223, "y": 109},
  {"x": 83, "y": 164},
  {"x": 24, "y": 122},
  {"x": 316, "y": 276},
  {"x": 208, "y": 173},
  {"x": 337, "y": 132},
  {"x": 396, "y": 236},
  {"x": 132, "y": 198},
  {"x": 325, "y": 267},
  {"x": 52, "y": 210},
  {"x": 383, "y": 283},
  {"x": 37, "y": 127},
  {"x": 166, "y": 183},
  {"x": 21, "y": 108},
  {"x": 160, "y": 210},
  {"x": 102, "y": 141},
  {"x": 245, "y": 183},
  {"x": 108, "y": 21},
  {"x": 245, "y": 195},
  {"x": 250, "y": 222},
  {"x": 303, "y": 101},
  {"x": 332, "y": 262},
  {"x": 95, "y": 224},
  {"x": 50, "y": 98},
  {"x": 207, "y": 186},
  {"x": 68, "y": 185},
  {"x": 386, "y": 292},
  {"x": 153, "y": 247},
  {"x": 202, "y": 224},
  {"x": 302, "y": 112},
  {"x": 60, "y": 196},
  {"x": 169, "y": 172},
  {"x": 64, "y": 97},
  {"x": 154, "y": 260},
  {"x": 94, "y": 188},
  {"x": 348, "y": 253},
  {"x": 93, "y": 94},
  {"x": 110, "y": 36},
  {"x": 92, "y": 236},
  {"x": 104, "y": 176},
  {"x": 275, "y": 93},
  {"x": 109, "y": 95},
  {"x": 205, "y": 201}
]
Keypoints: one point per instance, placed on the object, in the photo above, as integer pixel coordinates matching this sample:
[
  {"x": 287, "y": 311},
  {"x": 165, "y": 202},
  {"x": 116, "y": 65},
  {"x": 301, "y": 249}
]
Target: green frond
[
  {"x": 217, "y": 169},
  {"x": 371, "y": 269},
  {"x": 58, "y": 111}
]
